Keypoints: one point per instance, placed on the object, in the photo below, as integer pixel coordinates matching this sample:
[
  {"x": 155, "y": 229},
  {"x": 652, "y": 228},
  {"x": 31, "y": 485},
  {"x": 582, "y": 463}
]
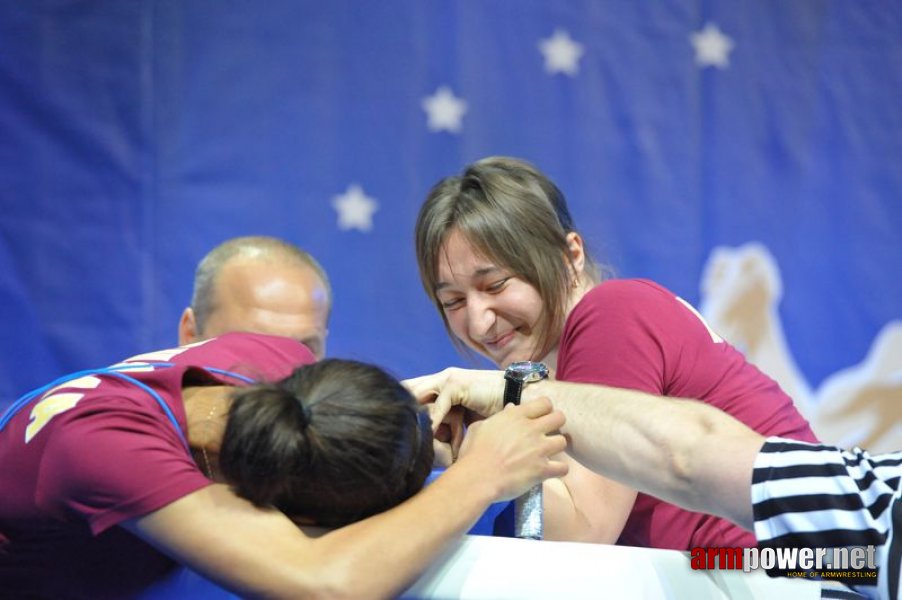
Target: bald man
[{"x": 262, "y": 285}]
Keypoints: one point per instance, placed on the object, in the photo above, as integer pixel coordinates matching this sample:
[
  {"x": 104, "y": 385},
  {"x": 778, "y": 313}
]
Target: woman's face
[{"x": 487, "y": 307}]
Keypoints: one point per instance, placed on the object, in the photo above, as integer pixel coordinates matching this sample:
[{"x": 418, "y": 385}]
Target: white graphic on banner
[
  {"x": 858, "y": 406},
  {"x": 561, "y": 53},
  {"x": 355, "y": 209},
  {"x": 444, "y": 110},
  {"x": 712, "y": 47}
]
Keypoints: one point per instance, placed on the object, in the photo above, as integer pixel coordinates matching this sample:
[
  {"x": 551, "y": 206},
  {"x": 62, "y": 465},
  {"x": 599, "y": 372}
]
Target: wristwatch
[{"x": 517, "y": 375}]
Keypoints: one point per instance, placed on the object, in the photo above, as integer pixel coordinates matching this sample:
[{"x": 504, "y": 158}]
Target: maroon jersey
[
  {"x": 635, "y": 334},
  {"x": 97, "y": 450}
]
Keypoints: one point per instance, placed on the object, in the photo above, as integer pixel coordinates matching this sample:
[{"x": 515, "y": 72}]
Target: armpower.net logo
[{"x": 855, "y": 564}]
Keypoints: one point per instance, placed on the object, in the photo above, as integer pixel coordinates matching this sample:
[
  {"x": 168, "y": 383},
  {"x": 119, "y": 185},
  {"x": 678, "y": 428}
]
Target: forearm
[
  {"x": 501, "y": 458},
  {"x": 583, "y": 506},
  {"x": 383, "y": 555},
  {"x": 682, "y": 451},
  {"x": 260, "y": 553}
]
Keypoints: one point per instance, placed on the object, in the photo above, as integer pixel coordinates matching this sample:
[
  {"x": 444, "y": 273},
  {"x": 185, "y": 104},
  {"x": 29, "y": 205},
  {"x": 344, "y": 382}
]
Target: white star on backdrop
[
  {"x": 561, "y": 53},
  {"x": 712, "y": 47},
  {"x": 445, "y": 110},
  {"x": 355, "y": 209}
]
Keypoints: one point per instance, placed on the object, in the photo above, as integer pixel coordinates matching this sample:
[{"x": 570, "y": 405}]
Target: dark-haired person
[
  {"x": 106, "y": 475},
  {"x": 502, "y": 260},
  {"x": 792, "y": 494},
  {"x": 260, "y": 284}
]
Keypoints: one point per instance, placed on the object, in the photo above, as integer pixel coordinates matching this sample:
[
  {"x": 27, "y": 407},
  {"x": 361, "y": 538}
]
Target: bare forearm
[
  {"x": 584, "y": 506},
  {"x": 501, "y": 458},
  {"x": 383, "y": 555},
  {"x": 682, "y": 451},
  {"x": 261, "y": 554}
]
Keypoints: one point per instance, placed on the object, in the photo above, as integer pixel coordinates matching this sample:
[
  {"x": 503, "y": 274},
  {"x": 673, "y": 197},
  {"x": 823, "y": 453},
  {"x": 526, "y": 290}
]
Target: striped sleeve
[{"x": 817, "y": 496}]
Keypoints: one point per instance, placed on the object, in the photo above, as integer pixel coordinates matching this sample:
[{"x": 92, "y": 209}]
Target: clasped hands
[{"x": 458, "y": 399}]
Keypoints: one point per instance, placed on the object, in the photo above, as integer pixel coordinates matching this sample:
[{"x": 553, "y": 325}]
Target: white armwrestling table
[{"x": 499, "y": 568}]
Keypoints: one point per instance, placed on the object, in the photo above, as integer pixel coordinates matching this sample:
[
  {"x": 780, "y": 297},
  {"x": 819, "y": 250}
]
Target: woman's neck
[
  {"x": 582, "y": 286},
  {"x": 206, "y": 410}
]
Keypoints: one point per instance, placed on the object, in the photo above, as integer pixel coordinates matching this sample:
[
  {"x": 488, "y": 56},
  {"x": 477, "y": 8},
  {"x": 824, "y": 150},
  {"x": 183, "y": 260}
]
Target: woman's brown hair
[{"x": 514, "y": 216}]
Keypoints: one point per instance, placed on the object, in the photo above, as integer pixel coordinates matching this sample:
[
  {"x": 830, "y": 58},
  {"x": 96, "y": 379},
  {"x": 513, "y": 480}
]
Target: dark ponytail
[{"x": 335, "y": 442}]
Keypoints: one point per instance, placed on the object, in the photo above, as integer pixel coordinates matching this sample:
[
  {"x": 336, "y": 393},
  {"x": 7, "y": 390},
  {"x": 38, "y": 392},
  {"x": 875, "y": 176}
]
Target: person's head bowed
[
  {"x": 335, "y": 442},
  {"x": 501, "y": 258}
]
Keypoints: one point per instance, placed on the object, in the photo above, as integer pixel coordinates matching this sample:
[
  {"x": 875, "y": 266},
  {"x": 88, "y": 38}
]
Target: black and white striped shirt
[{"x": 816, "y": 496}]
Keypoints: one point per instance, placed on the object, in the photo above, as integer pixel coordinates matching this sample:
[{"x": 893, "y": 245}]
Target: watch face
[{"x": 527, "y": 371}]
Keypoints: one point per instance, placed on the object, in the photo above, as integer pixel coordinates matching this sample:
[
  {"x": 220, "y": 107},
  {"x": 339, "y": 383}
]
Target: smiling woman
[
  {"x": 502, "y": 260},
  {"x": 474, "y": 290},
  {"x": 470, "y": 245}
]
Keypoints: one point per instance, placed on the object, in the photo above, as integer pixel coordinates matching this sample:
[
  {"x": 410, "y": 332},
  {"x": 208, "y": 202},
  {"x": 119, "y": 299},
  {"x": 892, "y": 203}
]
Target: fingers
[
  {"x": 555, "y": 468},
  {"x": 554, "y": 444},
  {"x": 542, "y": 412},
  {"x": 538, "y": 407},
  {"x": 547, "y": 422},
  {"x": 443, "y": 433},
  {"x": 480, "y": 391},
  {"x": 520, "y": 446},
  {"x": 454, "y": 422},
  {"x": 443, "y": 455},
  {"x": 472, "y": 417},
  {"x": 424, "y": 388},
  {"x": 433, "y": 391},
  {"x": 551, "y": 422},
  {"x": 440, "y": 408}
]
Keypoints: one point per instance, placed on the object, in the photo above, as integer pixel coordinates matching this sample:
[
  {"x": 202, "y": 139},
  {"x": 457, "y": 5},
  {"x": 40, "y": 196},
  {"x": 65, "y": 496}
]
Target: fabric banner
[{"x": 747, "y": 155}]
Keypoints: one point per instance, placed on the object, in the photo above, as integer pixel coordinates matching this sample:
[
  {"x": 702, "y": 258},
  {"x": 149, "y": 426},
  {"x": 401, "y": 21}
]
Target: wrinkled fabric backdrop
[{"x": 134, "y": 136}]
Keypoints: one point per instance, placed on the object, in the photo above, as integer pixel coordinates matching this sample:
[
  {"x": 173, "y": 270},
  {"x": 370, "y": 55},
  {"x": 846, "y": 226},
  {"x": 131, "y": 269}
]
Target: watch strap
[{"x": 513, "y": 389}]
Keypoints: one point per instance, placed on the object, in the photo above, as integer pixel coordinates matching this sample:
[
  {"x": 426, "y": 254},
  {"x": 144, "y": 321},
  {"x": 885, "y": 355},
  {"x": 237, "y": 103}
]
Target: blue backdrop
[{"x": 134, "y": 136}]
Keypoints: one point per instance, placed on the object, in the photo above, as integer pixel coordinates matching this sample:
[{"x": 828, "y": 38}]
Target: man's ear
[{"x": 187, "y": 327}]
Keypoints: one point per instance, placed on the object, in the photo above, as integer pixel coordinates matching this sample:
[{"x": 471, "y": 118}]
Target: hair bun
[{"x": 302, "y": 412}]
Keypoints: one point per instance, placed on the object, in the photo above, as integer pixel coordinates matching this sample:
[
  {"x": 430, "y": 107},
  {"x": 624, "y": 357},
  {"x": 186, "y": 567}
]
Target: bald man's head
[{"x": 262, "y": 285}]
